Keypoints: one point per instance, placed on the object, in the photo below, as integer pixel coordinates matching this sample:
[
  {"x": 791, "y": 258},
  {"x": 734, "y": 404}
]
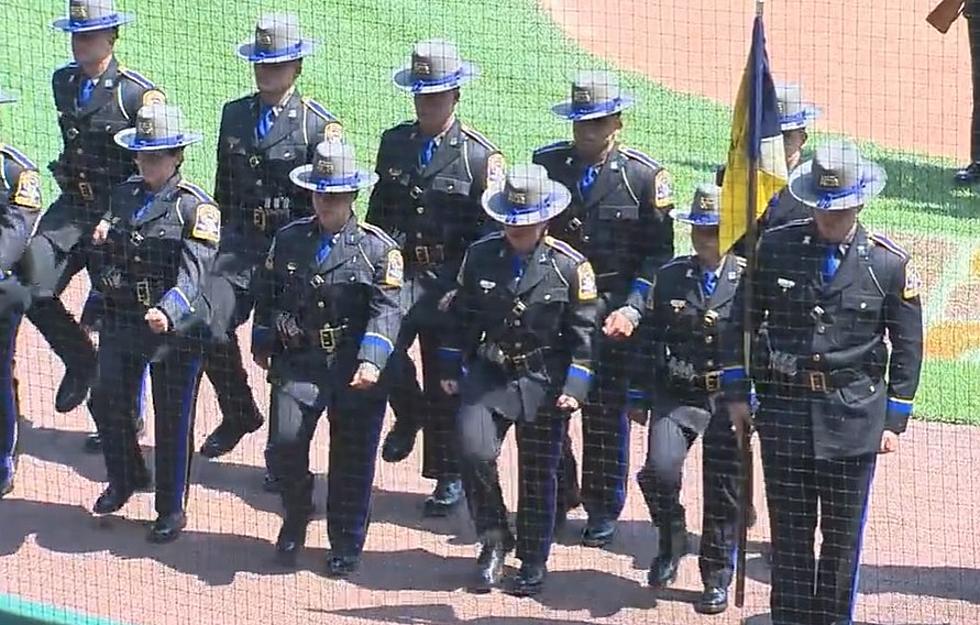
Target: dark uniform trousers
[
  {"x": 972, "y": 13},
  {"x": 9, "y": 401},
  {"x": 828, "y": 388},
  {"x": 159, "y": 251},
  {"x": 322, "y": 309},
  {"x": 256, "y": 197},
  {"x": 428, "y": 199}
]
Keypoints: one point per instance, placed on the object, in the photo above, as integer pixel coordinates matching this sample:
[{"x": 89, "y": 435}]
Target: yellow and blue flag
[{"x": 756, "y": 156}]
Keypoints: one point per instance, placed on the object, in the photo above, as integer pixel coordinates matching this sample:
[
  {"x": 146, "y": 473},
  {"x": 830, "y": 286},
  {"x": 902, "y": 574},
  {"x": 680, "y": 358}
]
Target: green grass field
[{"x": 188, "y": 49}]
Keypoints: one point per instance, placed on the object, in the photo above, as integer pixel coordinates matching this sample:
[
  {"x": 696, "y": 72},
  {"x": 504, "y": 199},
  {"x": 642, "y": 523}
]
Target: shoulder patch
[
  {"x": 888, "y": 244},
  {"x": 27, "y": 193},
  {"x": 196, "y": 191},
  {"x": 207, "y": 223},
  {"x": 639, "y": 156},
  {"x": 586, "y": 282},
  {"x": 136, "y": 77},
  {"x": 796, "y": 223},
  {"x": 663, "y": 189},
  {"x": 496, "y": 170},
  {"x": 479, "y": 137},
  {"x": 554, "y": 147},
  {"x": 912, "y": 282},
  {"x": 394, "y": 268},
  {"x": 379, "y": 232},
  {"x": 318, "y": 109},
  {"x": 565, "y": 248},
  {"x": 18, "y": 157}
]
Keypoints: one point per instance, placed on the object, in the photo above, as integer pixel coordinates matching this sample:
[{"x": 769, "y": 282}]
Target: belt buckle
[
  {"x": 327, "y": 341},
  {"x": 422, "y": 254},
  {"x": 258, "y": 219},
  {"x": 136, "y": 238},
  {"x": 712, "y": 381},
  {"x": 415, "y": 192},
  {"x": 519, "y": 308},
  {"x": 143, "y": 292},
  {"x": 818, "y": 381},
  {"x": 85, "y": 190}
]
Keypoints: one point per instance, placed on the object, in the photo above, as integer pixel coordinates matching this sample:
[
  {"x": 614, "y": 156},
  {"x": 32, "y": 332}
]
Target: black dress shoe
[
  {"x": 167, "y": 528},
  {"x": 73, "y": 388},
  {"x": 714, "y": 600},
  {"x": 112, "y": 499},
  {"x": 672, "y": 547},
  {"x": 291, "y": 540},
  {"x": 399, "y": 443},
  {"x": 223, "y": 440},
  {"x": 340, "y": 566},
  {"x": 598, "y": 532},
  {"x": 528, "y": 581},
  {"x": 271, "y": 483},
  {"x": 447, "y": 494},
  {"x": 969, "y": 174},
  {"x": 490, "y": 562}
]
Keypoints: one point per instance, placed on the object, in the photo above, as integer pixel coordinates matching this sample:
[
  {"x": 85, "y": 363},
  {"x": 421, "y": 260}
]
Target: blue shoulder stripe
[
  {"x": 790, "y": 224},
  {"x": 553, "y": 147},
  {"x": 18, "y": 157},
  {"x": 561, "y": 246},
  {"x": 136, "y": 77},
  {"x": 493, "y": 236},
  {"x": 297, "y": 222},
  {"x": 636, "y": 155},
  {"x": 196, "y": 191},
  {"x": 479, "y": 137},
  {"x": 888, "y": 244},
  {"x": 319, "y": 109},
  {"x": 380, "y": 233}
]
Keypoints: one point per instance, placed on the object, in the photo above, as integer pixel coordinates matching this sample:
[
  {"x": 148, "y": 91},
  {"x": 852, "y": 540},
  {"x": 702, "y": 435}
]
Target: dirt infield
[{"x": 876, "y": 68}]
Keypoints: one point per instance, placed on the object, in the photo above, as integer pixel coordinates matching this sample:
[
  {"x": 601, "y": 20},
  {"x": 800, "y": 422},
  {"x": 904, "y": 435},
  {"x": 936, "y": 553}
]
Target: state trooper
[
  {"x": 158, "y": 240},
  {"x": 619, "y": 218},
  {"x": 433, "y": 171},
  {"x": 525, "y": 311},
  {"x": 326, "y": 318},
  {"x": 681, "y": 346},
  {"x": 263, "y": 136},
  {"x": 20, "y": 207},
  {"x": 833, "y": 393},
  {"x": 95, "y": 97}
]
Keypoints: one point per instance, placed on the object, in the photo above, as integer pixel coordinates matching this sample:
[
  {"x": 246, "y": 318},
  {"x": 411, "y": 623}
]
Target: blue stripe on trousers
[
  {"x": 8, "y": 397},
  {"x": 860, "y": 540},
  {"x": 187, "y": 405}
]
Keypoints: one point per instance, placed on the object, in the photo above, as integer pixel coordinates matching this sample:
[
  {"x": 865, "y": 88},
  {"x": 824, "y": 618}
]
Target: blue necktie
[
  {"x": 709, "y": 282},
  {"x": 266, "y": 119},
  {"x": 425, "y": 154},
  {"x": 147, "y": 200},
  {"x": 517, "y": 264},
  {"x": 831, "y": 262},
  {"x": 85, "y": 92},
  {"x": 588, "y": 179},
  {"x": 326, "y": 244}
]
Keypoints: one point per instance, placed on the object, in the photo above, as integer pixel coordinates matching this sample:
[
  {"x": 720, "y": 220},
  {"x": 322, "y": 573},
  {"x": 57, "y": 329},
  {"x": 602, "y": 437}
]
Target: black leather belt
[
  {"x": 532, "y": 361},
  {"x": 328, "y": 337},
  {"x": 427, "y": 255}
]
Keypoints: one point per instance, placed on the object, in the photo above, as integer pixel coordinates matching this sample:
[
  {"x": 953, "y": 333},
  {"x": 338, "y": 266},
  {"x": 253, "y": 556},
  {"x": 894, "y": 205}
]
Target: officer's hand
[
  {"x": 288, "y": 329},
  {"x": 450, "y": 387},
  {"x": 101, "y": 233},
  {"x": 567, "y": 403},
  {"x": 889, "y": 442},
  {"x": 638, "y": 415},
  {"x": 618, "y": 326},
  {"x": 157, "y": 320},
  {"x": 741, "y": 416},
  {"x": 447, "y": 301},
  {"x": 366, "y": 376}
]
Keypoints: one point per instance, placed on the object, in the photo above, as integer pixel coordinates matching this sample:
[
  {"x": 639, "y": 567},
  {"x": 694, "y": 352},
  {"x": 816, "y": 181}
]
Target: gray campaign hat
[
  {"x": 278, "y": 39},
  {"x": 6, "y": 97},
  {"x": 837, "y": 178},
  {"x": 705, "y": 206},
  {"x": 86, "y": 16},
  {"x": 528, "y": 197},
  {"x": 595, "y": 94},
  {"x": 333, "y": 170},
  {"x": 159, "y": 126},
  {"x": 435, "y": 66},
  {"x": 794, "y": 112}
]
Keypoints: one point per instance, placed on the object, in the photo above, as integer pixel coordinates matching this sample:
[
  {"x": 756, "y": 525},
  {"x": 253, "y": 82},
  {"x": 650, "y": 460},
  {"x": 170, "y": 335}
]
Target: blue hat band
[
  {"x": 602, "y": 107},
  {"x": 105, "y": 20},
  {"x": 520, "y": 210},
  {"x": 829, "y": 196},
  {"x": 323, "y": 184},
  {"x": 796, "y": 118},
  {"x": 174, "y": 141},
  {"x": 420, "y": 84},
  {"x": 275, "y": 54}
]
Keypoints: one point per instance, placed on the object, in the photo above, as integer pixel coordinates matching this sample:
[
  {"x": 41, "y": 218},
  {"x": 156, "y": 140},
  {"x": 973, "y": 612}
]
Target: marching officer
[
  {"x": 95, "y": 98},
  {"x": 263, "y": 137},
  {"x": 681, "y": 349},
  {"x": 526, "y": 313},
  {"x": 326, "y": 318},
  {"x": 20, "y": 206},
  {"x": 158, "y": 241},
  {"x": 832, "y": 393},
  {"x": 619, "y": 219},
  {"x": 432, "y": 172}
]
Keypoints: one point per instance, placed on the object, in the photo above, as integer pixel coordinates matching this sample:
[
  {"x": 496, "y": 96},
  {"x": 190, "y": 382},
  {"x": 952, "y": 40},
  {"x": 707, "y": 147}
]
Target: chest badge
[
  {"x": 487, "y": 285},
  {"x": 785, "y": 284}
]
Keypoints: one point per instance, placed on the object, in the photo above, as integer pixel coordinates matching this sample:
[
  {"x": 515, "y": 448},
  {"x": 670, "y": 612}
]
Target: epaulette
[
  {"x": 380, "y": 233},
  {"x": 479, "y": 138},
  {"x": 298, "y": 222},
  {"x": 554, "y": 147},
  {"x": 493, "y": 236},
  {"x": 318, "y": 109},
  {"x": 136, "y": 77},
  {"x": 565, "y": 248},
  {"x": 135, "y": 178},
  {"x": 679, "y": 260},
  {"x": 636, "y": 155},
  {"x": 888, "y": 244},
  {"x": 741, "y": 261},
  {"x": 196, "y": 191},
  {"x": 18, "y": 157},
  {"x": 790, "y": 224}
]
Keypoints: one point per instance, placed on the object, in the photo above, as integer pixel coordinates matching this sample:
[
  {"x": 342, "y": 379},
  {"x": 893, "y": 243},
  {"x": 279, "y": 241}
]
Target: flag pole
[{"x": 748, "y": 333}]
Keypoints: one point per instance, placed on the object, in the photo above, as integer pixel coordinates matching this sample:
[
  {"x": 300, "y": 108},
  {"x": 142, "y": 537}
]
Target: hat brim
[
  {"x": 66, "y": 25},
  {"x": 702, "y": 220},
  {"x": 496, "y": 206},
  {"x": 248, "y": 52},
  {"x": 566, "y": 110},
  {"x": 810, "y": 113},
  {"x": 802, "y": 188},
  {"x": 127, "y": 139},
  {"x": 301, "y": 177},
  {"x": 403, "y": 80}
]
